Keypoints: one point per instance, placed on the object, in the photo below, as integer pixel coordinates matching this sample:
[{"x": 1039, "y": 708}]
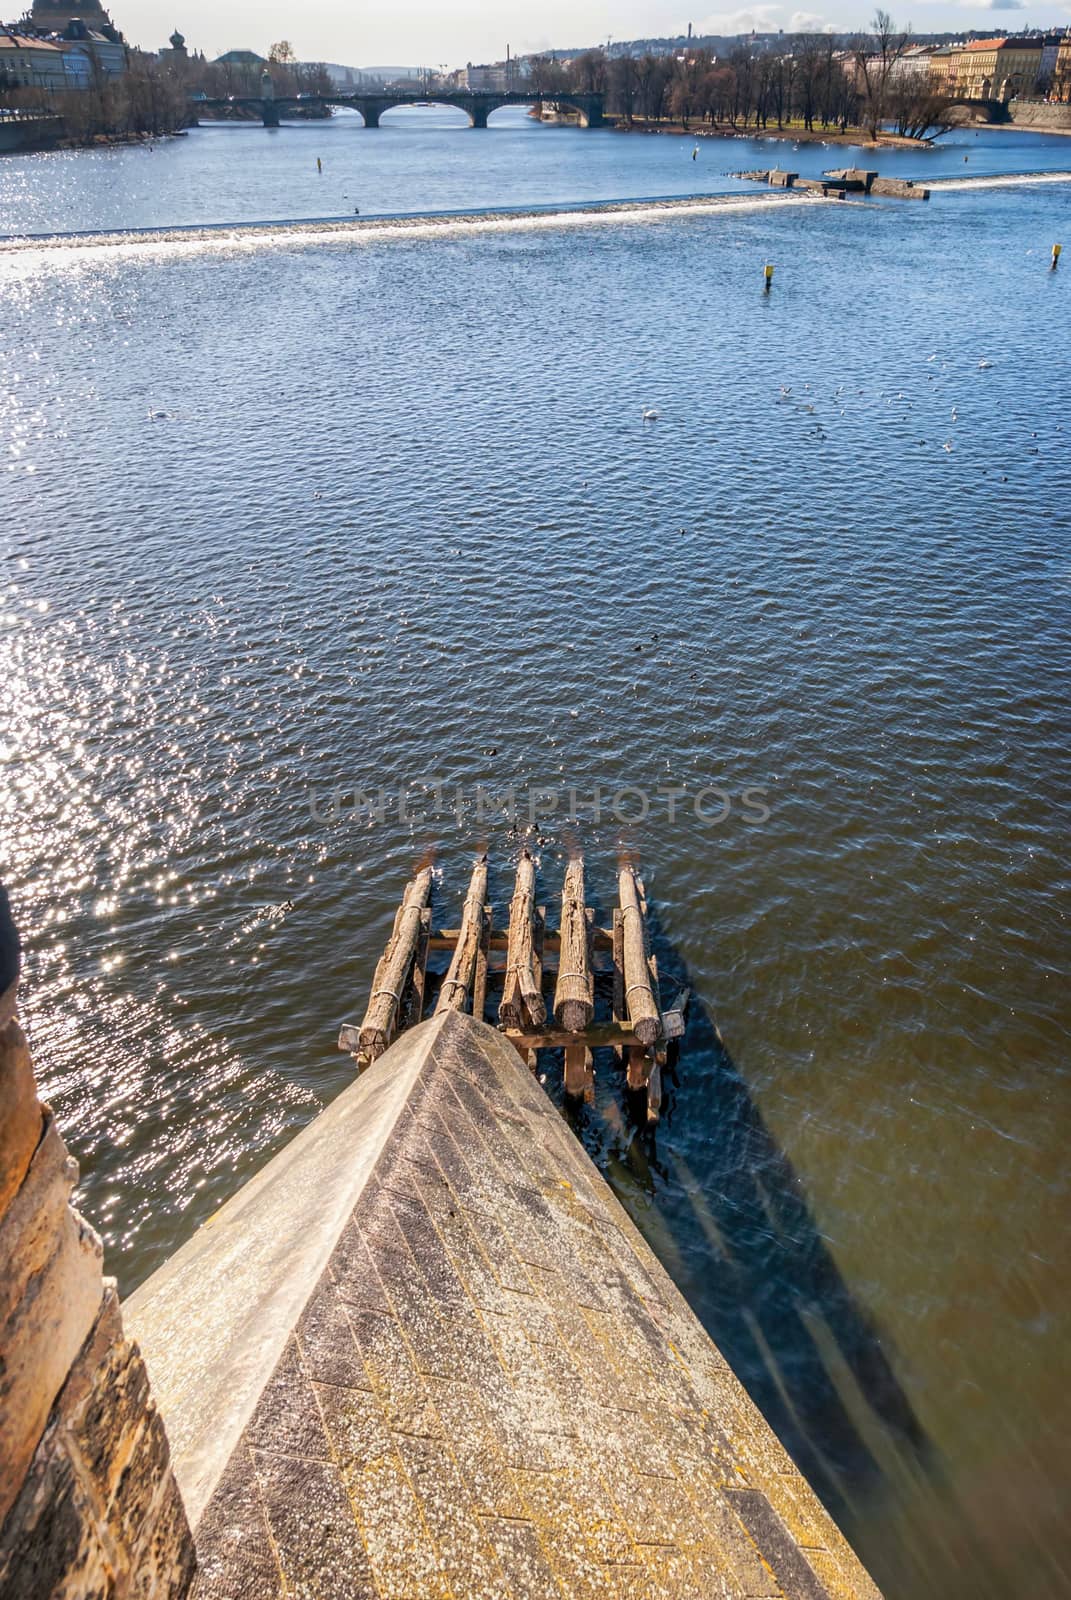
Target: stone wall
[
  {"x": 88, "y": 1504},
  {"x": 1035, "y": 114}
]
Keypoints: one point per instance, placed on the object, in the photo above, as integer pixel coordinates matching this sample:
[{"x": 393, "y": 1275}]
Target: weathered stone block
[
  {"x": 99, "y": 1512},
  {"x": 163, "y": 1565},
  {"x": 20, "y": 1113},
  {"x": 899, "y": 188},
  {"x": 50, "y": 1545},
  {"x": 50, "y": 1293}
]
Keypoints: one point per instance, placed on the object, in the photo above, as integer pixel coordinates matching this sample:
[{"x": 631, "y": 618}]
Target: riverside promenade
[{"x": 424, "y": 1352}]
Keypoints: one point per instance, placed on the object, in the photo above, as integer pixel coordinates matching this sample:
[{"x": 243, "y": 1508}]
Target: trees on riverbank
[
  {"x": 815, "y": 81},
  {"x": 152, "y": 97},
  {"x": 145, "y": 101}
]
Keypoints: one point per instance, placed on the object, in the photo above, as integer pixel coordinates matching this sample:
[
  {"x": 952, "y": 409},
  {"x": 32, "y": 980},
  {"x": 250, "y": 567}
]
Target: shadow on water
[{"x": 727, "y": 1212}]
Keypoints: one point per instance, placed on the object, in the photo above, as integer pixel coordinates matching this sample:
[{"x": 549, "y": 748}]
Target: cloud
[
  {"x": 993, "y": 5},
  {"x": 753, "y": 19},
  {"x": 809, "y": 22},
  {"x": 767, "y": 19}
]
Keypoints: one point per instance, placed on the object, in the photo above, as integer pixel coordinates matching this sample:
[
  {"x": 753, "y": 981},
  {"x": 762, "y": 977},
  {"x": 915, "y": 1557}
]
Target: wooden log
[
  {"x": 579, "y": 1074},
  {"x": 521, "y": 995},
  {"x": 574, "y": 994},
  {"x": 454, "y": 994},
  {"x": 392, "y": 973},
  {"x": 539, "y": 935},
  {"x": 640, "y": 1060},
  {"x": 413, "y": 1009},
  {"x": 619, "y": 979},
  {"x": 479, "y": 982},
  {"x": 640, "y": 1000},
  {"x": 654, "y": 1091}
]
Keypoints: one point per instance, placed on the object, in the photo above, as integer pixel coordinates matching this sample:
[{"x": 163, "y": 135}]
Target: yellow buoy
[
  {"x": 767, "y": 273},
  {"x": 319, "y": 165},
  {"x": 1056, "y": 255}
]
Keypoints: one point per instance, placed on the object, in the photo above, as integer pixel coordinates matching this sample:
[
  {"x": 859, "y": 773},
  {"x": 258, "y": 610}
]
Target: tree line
[
  {"x": 145, "y": 101},
  {"x": 815, "y": 81},
  {"x": 152, "y": 97}
]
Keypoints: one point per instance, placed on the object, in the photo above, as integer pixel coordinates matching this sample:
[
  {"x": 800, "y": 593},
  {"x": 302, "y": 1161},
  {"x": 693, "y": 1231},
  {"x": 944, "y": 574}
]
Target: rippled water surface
[
  {"x": 280, "y": 520},
  {"x": 432, "y": 158}
]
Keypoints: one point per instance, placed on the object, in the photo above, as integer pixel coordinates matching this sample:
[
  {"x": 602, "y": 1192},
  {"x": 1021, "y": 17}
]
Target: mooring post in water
[
  {"x": 574, "y": 995},
  {"x": 521, "y": 993},
  {"x": 1056, "y": 249},
  {"x": 767, "y": 277},
  {"x": 579, "y": 1072},
  {"x": 393, "y": 973},
  {"x": 463, "y": 968}
]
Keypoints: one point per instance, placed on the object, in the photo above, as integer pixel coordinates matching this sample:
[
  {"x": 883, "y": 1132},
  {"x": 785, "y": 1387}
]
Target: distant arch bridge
[{"x": 477, "y": 106}]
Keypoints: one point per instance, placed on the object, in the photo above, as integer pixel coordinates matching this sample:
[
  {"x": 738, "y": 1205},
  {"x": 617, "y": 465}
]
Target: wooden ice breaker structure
[{"x": 584, "y": 970}]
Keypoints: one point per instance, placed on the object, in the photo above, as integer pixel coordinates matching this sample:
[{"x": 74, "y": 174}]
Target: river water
[{"x": 288, "y": 518}]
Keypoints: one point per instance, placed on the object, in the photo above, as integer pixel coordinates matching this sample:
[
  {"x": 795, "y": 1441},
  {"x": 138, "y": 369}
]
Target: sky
[{"x": 434, "y": 33}]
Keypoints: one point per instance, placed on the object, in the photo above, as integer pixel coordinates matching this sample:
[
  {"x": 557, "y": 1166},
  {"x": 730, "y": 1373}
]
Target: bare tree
[
  {"x": 588, "y": 72},
  {"x": 622, "y": 86},
  {"x": 876, "y": 57},
  {"x": 918, "y": 112},
  {"x": 548, "y": 76}
]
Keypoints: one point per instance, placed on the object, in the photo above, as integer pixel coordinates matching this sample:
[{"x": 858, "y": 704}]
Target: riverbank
[
  {"x": 856, "y": 137},
  {"x": 35, "y": 142}
]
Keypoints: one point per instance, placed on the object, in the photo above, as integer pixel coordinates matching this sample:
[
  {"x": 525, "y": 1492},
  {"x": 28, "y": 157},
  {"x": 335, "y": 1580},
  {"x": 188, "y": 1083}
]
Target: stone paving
[{"x": 495, "y": 1391}]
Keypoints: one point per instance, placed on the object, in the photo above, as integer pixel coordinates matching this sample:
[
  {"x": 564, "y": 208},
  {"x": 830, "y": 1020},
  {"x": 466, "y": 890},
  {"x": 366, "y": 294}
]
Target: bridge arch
[{"x": 433, "y": 102}]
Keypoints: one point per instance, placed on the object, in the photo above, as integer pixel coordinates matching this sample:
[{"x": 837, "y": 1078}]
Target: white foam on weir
[
  {"x": 171, "y": 243},
  {"x": 1007, "y": 181}
]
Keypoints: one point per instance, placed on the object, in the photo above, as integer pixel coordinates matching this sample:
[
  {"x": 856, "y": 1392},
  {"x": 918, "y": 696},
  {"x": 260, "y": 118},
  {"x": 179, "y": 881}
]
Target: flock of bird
[{"x": 806, "y": 403}]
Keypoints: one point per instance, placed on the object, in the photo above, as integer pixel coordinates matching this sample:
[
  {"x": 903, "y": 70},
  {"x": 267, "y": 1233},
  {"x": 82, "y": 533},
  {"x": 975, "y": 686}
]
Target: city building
[
  {"x": 943, "y": 67},
  {"x": 75, "y": 41},
  {"x": 498, "y": 77},
  {"x": 56, "y": 16},
  {"x": 27, "y": 62},
  {"x": 1061, "y": 78},
  {"x": 999, "y": 69},
  {"x": 913, "y": 67},
  {"x": 240, "y": 58},
  {"x": 176, "y": 54},
  {"x": 103, "y": 52}
]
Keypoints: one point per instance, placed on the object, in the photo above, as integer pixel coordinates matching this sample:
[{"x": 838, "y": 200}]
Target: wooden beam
[
  {"x": 599, "y": 1036},
  {"x": 640, "y": 1000},
  {"x": 446, "y": 938},
  {"x": 392, "y": 973},
  {"x": 574, "y": 995},
  {"x": 521, "y": 994},
  {"x": 454, "y": 994}
]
